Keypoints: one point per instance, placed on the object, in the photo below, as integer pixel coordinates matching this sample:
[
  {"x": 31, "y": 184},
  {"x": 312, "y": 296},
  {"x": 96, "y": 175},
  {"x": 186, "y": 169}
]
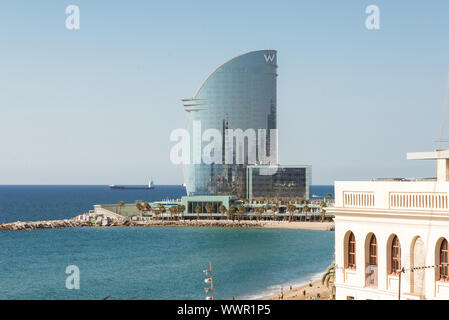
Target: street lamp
[{"x": 210, "y": 281}]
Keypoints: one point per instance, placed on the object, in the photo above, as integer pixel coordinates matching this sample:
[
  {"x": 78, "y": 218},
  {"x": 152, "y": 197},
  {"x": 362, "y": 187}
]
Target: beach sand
[
  {"x": 297, "y": 293},
  {"x": 298, "y": 225}
]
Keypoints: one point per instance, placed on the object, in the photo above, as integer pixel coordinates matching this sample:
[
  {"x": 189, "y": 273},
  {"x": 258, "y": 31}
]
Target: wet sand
[{"x": 297, "y": 293}]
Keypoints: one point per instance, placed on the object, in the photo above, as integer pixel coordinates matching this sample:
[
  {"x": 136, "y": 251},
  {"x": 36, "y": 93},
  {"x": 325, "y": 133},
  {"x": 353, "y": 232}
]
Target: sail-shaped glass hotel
[{"x": 239, "y": 94}]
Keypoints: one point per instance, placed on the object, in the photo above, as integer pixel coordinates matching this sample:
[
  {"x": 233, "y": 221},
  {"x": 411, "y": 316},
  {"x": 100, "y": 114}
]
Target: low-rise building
[{"x": 391, "y": 236}]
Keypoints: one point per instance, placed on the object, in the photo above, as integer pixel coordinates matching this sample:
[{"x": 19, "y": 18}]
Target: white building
[{"x": 387, "y": 225}]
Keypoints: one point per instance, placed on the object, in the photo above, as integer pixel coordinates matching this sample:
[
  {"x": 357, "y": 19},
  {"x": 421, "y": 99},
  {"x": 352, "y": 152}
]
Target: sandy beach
[
  {"x": 298, "y": 225},
  {"x": 315, "y": 292}
]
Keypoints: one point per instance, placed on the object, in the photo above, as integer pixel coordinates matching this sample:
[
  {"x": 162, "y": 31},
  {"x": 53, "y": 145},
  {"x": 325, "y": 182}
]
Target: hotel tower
[{"x": 239, "y": 94}]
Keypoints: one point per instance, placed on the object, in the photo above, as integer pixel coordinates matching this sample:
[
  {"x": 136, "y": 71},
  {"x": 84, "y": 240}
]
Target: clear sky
[{"x": 97, "y": 105}]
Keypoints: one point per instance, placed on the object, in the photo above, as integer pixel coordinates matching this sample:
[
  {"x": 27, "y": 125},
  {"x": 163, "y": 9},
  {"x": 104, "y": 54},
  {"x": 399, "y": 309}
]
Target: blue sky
[{"x": 97, "y": 105}]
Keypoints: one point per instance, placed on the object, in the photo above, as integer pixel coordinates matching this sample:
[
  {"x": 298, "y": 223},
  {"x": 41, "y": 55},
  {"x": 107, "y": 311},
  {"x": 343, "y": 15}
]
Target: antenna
[{"x": 444, "y": 113}]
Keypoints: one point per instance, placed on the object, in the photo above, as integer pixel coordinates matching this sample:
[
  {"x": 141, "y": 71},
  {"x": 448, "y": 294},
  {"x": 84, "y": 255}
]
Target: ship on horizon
[{"x": 149, "y": 187}]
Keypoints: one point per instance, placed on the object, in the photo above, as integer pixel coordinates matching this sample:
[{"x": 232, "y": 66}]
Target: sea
[{"x": 146, "y": 263}]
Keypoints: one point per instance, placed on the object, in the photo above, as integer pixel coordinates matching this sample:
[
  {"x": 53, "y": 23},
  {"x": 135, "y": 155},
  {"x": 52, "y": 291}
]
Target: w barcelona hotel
[{"x": 232, "y": 127}]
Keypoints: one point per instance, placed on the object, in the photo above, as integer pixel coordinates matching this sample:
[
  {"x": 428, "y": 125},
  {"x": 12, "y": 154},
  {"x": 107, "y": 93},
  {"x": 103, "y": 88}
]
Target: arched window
[
  {"x": 351, "y": 252},
  {"x": 373, "y": 250},
  {"x": 395, "y": 255},
  {"x": 444, "y": 276}
]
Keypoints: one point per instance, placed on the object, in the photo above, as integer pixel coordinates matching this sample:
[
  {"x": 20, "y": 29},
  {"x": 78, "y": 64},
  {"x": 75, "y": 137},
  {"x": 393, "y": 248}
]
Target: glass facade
[
  {"x": 192, "y": 202},
  {"x": 288, "y": 182},
  {"x": 193, "y": 205},
  {"x": 240, "y": 94}
]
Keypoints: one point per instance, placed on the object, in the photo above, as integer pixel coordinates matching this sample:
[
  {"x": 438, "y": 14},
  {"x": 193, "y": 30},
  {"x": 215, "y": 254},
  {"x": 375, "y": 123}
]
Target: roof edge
[{"x": 207, "y": 78}]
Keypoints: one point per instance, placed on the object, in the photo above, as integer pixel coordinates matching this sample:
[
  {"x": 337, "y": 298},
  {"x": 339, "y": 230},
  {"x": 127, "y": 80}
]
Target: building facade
[
  {"x": 285, "y": 182},
  {"x": 239, "y": 94},
  {"x": 391, "y": 236},
  {"x": 191, "y": 203}
]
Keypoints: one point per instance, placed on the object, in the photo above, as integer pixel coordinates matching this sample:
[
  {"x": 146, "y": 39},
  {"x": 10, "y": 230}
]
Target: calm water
[
  {"x": 28, "y": 203},
  {"x": 145, "y": 263},
  {"x": 158, "y": 263}
]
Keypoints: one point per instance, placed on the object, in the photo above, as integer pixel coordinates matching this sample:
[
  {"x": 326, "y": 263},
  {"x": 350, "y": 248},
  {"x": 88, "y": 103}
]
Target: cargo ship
[{"x": 149, "y": 187}]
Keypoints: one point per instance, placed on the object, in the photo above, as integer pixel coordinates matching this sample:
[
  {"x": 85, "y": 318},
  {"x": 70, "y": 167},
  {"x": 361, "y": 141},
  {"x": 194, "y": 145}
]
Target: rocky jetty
[
  {"x": 107, "y": 222},
  {"x": 103, "y": 221},
  {"x": 51, "y": 224}
]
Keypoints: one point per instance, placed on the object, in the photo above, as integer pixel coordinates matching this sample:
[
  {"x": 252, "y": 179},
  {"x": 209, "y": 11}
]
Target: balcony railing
[{"x": 411, "y": 195}]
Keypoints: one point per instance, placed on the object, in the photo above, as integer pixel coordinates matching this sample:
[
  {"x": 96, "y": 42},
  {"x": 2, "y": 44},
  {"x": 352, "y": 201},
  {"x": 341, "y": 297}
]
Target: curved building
[{"x": 239, "y": 94}]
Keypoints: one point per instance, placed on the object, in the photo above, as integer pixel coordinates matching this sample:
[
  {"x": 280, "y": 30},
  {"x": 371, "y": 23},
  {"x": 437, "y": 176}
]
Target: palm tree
[
  {"x": 232, "y": 210},
  {"x": 259, "y": 212},
  {"x": 291, "y": 208},
  {"x": 197, "y": 210},
  {"x": 139, "y": 207},
  {"x": 329, "y": 196},
  {"x": 161, "y": 209},
  {"x": 305, "y": 209},
  {"x": 173, "y": 210},
  {"x": 241, "y": 210},
  {"x": 322, "y": 212},
  {"x": 181, "y": 208},
  {"x": 121, "y": 204},
  {"x": 222, "y": 209},
  {"x": 147, "y": 207},
  {"x": 209, "y": 210},
  {"x": 329, "y": 278}
]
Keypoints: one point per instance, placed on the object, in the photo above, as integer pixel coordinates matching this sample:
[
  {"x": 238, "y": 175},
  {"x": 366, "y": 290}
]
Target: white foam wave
[{"x": 274, "y": 289}]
